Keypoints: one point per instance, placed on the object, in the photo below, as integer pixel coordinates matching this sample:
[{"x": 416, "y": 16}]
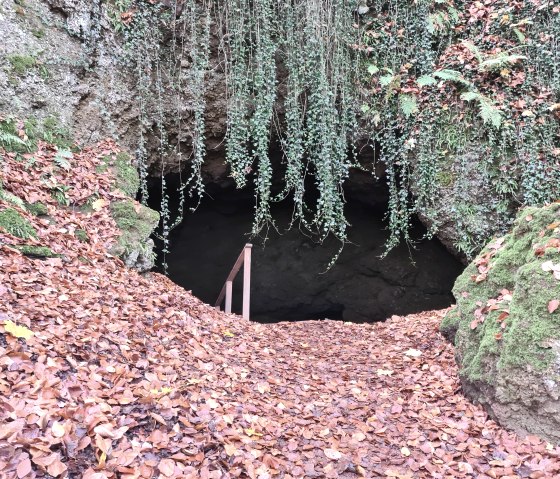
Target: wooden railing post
[
  {"x": 229, "y": 294},
  {"x": 246, "y": 280},
  {"x": 244, "y": 260}
]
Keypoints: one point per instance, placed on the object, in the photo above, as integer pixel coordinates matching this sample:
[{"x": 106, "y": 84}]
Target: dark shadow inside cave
[{"x": 289, "y": 282}]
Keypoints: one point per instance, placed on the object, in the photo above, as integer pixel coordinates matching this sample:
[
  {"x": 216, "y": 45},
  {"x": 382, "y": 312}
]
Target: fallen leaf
[
  {"x": 167, "y": 467},
  {"x": 23, "y": 468},
  {"x": 332, "y": 454},
  {"x": 414, "y": 353},
  {"x": 17, "y": 331},
  {"x": 99, "y": 204},
  {"x": 553, "y": 305}
]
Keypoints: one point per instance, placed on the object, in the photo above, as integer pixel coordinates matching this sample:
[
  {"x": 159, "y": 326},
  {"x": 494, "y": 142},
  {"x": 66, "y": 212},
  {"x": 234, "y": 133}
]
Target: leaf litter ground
[{"x": 130, "y": 376}]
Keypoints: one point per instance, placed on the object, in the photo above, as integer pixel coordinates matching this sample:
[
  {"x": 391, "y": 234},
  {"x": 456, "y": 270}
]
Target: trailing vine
[{"x": 455, "y": 96}]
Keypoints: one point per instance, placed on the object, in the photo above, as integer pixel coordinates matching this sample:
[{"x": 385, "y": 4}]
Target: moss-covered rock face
[
  {"x": 127, "y": 179},
  {"x": 136, "y": 223},
  {"x": 506, "y": 328}
]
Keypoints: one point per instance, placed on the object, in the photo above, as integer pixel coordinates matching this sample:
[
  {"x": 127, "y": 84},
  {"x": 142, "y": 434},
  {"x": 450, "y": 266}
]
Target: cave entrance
[{"x": 289, "y": 282}]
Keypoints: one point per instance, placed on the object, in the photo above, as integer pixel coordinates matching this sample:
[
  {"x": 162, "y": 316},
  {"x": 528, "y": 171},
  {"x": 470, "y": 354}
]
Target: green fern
[
  {"x": 61, "y": 159},
  {"x": 10, "y": 142},
  {"x": 474, "y": 50},
  {"x": 426, "y": 80},
  {"x": 451, "y": 75},
  {"x": 489, "y": 112},
  {"x": 11, "y": 198},
  {"x": 408, "y": 104},
  {"x": 498, "y": 62}
]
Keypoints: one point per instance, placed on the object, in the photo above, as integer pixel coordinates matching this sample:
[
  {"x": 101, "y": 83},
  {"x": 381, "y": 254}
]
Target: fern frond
[
  {"x": 8, "y": 140},
  {"x": 499, "y": 62},
  {"x": 11, "y": 198},
  {"x": 426, "y": 80},
  {"x": 474, "y": 50},
  {"x": 408, "y": 104},
  {"x": 451, "y": 75},
  {"x": 489, "y": 112},
  {"x": 61, "y": 159}
]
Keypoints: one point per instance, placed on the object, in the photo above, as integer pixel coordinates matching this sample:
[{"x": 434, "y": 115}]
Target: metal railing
[{"x": 244, "y": 260}]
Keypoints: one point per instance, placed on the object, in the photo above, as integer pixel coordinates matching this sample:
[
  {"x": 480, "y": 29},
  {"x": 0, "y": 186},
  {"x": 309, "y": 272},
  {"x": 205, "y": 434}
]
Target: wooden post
[
  {"x": 244, "y": 260},
  {"x": 246, "y": 281},
  {"x": 229, "y": 293}
]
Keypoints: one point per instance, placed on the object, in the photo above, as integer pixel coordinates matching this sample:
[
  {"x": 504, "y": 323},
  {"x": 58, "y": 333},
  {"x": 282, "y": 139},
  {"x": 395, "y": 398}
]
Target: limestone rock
[{"x": 505, "y": 328}]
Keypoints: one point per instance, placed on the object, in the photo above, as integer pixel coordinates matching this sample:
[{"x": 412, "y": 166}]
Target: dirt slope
[{"x": 105, "y": 373}]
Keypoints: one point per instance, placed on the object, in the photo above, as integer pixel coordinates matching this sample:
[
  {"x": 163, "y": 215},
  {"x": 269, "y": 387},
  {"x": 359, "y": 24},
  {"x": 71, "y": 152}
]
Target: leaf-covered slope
[{"x": 105, "y": 373}]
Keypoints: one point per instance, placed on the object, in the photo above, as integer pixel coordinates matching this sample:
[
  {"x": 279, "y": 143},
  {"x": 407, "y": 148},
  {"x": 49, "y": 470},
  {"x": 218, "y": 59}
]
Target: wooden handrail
[{"x": 244, "y": 260}]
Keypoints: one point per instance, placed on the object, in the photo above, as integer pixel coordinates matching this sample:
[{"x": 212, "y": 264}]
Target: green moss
[
  {"x": 529, "y": 328},
  {"x": 82, "y": 235},
  {"x": 14, "y": 223},
  {"x": 37, "y": 208},
  {"x": 136, "y": 226},
  {"x": 104, "y": 166},
  {"x": 52, "y": 131},
  {"x": 37, "y": 251},
  {"x": 127, "y": 176},
  {"x": 445, "y": 178},
  {"x": 127, "y": 179},
  {"x": 450, "y": 324},
  {"x": 532, "y": 326},
  {"x": 21, "y": 64},
  {"x": 38, "y": 33}
]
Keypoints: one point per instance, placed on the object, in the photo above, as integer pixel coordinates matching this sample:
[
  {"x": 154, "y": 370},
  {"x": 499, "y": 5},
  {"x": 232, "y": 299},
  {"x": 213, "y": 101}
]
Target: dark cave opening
[{"x": 289, "y": 281}]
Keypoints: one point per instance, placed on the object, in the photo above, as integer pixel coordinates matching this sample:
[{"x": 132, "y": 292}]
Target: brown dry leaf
[
  {"x": 167, "y": 467},
  {"x": 23, "y": 468}
]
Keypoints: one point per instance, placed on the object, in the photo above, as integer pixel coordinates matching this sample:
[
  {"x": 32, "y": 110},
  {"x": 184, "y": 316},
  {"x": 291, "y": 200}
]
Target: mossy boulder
[
  {"x": 136, "y": 222},
  {"x": 37, "y": 251},
  {"x": 506, "y": 327}
]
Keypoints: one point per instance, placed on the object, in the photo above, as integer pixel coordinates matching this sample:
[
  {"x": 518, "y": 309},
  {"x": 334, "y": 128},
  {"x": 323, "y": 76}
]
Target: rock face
[
  {"x": 506, "y": 326},
  {"x": 60, "y": 59}
]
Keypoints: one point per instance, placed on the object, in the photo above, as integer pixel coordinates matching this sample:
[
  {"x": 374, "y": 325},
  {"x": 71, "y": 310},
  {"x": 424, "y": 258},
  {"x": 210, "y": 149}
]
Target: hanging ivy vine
[{"x": 448, "y": 90}]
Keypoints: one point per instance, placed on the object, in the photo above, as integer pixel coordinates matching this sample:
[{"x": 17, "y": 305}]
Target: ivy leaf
[
  {"x": 372, "y": 69},
  {"x": 408, "y": 104},
  {"x": 17, "y": 331},
  {"x": 386, "y": 80}
]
